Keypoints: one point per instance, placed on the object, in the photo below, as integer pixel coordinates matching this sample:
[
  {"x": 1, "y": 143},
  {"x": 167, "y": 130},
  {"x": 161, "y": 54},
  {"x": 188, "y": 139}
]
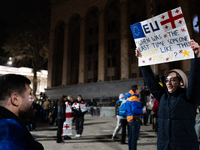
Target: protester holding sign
[{"x": 177, "y": 104}]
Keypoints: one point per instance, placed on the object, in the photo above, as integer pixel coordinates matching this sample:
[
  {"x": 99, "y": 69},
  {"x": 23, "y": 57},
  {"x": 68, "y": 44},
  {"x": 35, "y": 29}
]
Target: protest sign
[{"x": 163, "y": 38}]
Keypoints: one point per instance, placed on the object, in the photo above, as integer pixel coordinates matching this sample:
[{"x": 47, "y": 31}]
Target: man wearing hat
[{"x": 177, "y": 104}]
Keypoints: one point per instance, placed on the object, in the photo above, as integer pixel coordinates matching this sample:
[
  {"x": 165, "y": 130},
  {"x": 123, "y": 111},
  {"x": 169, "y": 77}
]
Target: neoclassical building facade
[
  {"x": 91, "y": 40},
  {"x": 28, "y": 72}
]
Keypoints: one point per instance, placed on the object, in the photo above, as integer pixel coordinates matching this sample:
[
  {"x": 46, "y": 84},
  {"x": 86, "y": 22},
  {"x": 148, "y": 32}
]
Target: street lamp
[{"x": 10, "y": 61}]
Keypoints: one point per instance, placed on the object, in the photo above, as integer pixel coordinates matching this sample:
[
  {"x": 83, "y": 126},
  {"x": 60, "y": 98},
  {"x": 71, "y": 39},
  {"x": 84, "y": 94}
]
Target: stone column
[
  {"x": 184, "y": 6},
  {"x": 82, "y": 53},
  {"x": 124, "y": 39},
  {"x": 65, "y": 72},
  {"x": 155, "y": 69},
  {"x": 50, "y": 58},
  {"x": 101, "y": 48}
]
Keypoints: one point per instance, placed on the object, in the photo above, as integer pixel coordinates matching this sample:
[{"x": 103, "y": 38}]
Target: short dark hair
[
  {"x": 11, "y": 83},
  {"x": 134, "y": 88}
]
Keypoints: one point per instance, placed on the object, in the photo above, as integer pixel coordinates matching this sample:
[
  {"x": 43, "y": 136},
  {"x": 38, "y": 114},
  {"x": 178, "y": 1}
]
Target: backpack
[{"x": 122, "y": 109}]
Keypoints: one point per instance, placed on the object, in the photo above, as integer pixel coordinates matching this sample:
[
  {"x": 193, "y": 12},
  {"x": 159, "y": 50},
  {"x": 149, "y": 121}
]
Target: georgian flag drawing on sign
[
  {"x": 163, "y": 38},
  {"x": 172, "y": 19}
]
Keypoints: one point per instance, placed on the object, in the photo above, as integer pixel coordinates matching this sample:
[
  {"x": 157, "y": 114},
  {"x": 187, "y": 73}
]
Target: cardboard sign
[{"x": 163, "y": 38}]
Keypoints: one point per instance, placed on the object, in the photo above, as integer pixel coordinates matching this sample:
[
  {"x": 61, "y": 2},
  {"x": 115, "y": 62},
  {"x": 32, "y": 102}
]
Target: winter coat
[
  {"x": 14, "y": 134},
  {"x": 118, "y": 104},
  {"x": 143, "y": 96},
  {"x": 133, "y": 106},
  {"x": 61, "y": 111},
  {"x": 46, "y": 105},
  {"x": 149, "y": 104},
  {"x": 155, "y": 108},
  {"x": 77, "y": 112},
  {"x": 177, "y": 110}
]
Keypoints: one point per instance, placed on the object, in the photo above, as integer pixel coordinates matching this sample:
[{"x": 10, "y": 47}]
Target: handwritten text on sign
[{"x": 163, "y": 38}]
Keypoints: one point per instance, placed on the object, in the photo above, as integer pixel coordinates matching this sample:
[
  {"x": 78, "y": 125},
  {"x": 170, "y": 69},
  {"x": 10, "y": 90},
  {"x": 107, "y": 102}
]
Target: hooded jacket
[
  {"x": 133, "y": 105},
  {"x": 177, "y": 110}
]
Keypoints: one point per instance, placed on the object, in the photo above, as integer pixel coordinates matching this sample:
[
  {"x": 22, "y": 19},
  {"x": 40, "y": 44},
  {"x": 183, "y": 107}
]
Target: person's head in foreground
[{"x": 16, "y": 95}]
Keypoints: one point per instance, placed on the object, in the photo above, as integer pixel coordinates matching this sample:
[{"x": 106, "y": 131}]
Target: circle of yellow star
[
  {"x": 136, "y": 30},
  {"x": 186, "y": 53}
]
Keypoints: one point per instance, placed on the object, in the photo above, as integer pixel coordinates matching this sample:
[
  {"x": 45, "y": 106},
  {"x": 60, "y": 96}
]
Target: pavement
[{"x": 96, "y": 135}]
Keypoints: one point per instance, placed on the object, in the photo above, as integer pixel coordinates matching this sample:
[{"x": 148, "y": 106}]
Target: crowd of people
[
  {"x": 63, "y": 112},
  {"x": 42, "y": 109}
]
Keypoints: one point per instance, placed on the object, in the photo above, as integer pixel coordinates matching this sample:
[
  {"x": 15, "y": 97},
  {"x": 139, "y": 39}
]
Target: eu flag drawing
[{"x": 137, "y": 30}]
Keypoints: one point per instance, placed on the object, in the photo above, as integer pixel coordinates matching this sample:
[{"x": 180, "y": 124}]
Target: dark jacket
[
  {"x": 14, "y": 134},
  {"x": 61, "y": 111},
  {"x": 143, "y": 96},
  {"x": 78, "y": 113},
  {"x": 177, "y": 110}
]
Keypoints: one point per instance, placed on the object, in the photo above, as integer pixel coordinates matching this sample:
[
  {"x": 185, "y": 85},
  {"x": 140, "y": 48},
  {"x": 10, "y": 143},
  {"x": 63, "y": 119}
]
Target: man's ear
[{"x": 14, "y": 99}]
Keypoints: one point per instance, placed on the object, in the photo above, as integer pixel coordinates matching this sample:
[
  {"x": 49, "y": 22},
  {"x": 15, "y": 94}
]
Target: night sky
[{"x": 12, "y": 12}]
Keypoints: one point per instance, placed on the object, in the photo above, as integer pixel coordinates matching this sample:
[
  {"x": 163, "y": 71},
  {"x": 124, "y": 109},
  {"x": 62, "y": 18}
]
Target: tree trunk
[{"x": 34, "y": 82}]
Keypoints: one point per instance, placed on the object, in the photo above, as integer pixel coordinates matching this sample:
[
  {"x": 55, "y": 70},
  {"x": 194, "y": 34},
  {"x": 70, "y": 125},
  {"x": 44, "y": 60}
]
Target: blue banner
[{"x": 137, "y": 30}]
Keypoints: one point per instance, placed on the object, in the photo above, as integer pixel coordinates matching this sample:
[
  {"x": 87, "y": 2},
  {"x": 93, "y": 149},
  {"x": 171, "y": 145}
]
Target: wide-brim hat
[{"x": 182, "y": 75}]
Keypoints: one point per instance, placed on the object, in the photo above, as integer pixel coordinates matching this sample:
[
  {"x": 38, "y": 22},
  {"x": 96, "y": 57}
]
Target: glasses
[{"x": 171, "y": 80}]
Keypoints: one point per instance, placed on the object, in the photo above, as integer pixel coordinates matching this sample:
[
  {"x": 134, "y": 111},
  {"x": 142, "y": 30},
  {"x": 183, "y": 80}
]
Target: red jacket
[{"x": 155, "y": 106}]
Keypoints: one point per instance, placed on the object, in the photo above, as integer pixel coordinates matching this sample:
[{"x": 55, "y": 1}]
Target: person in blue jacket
[
  {"x": 16, "y": 105},
  {"x": 134, "y": 112},
  {"x": 177, "y": 104}
]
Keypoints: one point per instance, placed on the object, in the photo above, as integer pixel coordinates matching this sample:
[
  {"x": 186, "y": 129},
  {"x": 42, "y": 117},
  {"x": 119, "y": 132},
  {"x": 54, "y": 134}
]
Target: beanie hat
[
  {"x": 121, "y": 96},
  {"x": 182, "y": 75}
]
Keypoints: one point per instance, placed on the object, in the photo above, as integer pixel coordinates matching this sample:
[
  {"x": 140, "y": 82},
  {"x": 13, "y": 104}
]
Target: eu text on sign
[{"x": 163, "y": 38}]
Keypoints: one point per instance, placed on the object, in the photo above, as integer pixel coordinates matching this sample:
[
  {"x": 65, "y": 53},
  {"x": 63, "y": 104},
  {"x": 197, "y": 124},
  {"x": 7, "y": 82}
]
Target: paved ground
[{"x": 96, "y": 136}]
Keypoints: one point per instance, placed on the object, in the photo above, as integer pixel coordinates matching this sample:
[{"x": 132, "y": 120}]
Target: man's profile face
[
  {"x": 26, "y": 107},
  {"x": 137, "y": 91},
  {"x": 172, "y": 82}
]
